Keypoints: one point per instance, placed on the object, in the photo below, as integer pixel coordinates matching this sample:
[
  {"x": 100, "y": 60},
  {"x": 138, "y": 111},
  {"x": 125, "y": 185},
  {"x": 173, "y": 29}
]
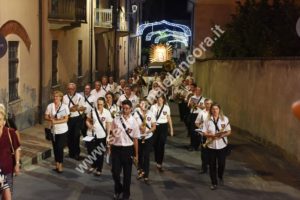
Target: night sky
[{"x": 156, "y": 10}]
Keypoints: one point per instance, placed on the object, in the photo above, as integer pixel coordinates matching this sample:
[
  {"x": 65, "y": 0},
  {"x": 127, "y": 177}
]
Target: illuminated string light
[
  {"x": 180, "y": 41},
  {"x": 187, "y": 31},
  {"x": 152, "y": 33},
  {"x": 183, "y": 38}
]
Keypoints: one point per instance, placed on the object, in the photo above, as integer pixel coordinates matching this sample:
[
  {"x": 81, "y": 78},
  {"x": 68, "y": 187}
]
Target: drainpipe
[
  {"x": 40, "y": 98},
  {"x": 91, "y": 41}
]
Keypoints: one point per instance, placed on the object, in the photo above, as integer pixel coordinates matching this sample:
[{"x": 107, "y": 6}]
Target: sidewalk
[{"x": 34, "y": 146}]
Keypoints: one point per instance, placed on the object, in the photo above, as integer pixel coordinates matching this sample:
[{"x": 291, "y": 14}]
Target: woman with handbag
[
  {"x": 216, "y": 129},
  {"x": 100, "y": 123},
  {"x": 57, "y": 114},
  {"x": 9, "y": 154}
]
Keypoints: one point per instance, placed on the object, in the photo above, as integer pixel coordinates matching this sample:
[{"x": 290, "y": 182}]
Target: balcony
[
  {"x": 64, "y": 13},
  {"x": 103, "y": 21}
]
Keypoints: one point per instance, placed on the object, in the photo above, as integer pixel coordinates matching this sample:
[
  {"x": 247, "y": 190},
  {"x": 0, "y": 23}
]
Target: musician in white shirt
[
  {"x": 89, "y": 103},
  {"x": 99, "y": 121},
  {"x": 98, "y": 92},
  {"x": 216, "y": 129},
  {"x": 163, "y": 118},
  {"x": 75, "y": 103},
  {"x": 128, "y": 96},
  {"x": 124, "y": 143},
  {"x": 201, "y": 118},
  {"x": 147, "y": 123},
  {"x": 57, "y": 114},
  {"x": 113, "y": 85},
  {"x": 195, "y": 104},
  {"x": 120, "y": 89},
  {"x": 105, "y": 87},
  {"x": 111, "y": 106}
]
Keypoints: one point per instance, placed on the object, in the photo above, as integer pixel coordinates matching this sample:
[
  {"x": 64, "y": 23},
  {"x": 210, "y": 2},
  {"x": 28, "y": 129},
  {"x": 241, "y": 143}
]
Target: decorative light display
[
  {"x": 162, "y": 32},
  {"x": 160, "y": 53},
  {"x": 180, "y": 41},
  {"x": 187, "y": 31},
  {"x": 157, "y": 39}
]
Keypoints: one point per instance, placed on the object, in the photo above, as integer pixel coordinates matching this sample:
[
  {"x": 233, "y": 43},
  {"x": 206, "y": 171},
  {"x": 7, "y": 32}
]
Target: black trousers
[
  {"x": 58, "y": 147},
  {"x": 122, "y": 160},
  {"x": 217, "y": 160},
  {"x": 195, "y": 138},
  {"x": 84, "y": 127},
  {"x": 159, "y": 141},
  {"x": 204, "y": 155},
  {"x": 144, "y": 156},
  {"x": 182, "y": 110},
  {"x": 74, "y": 136},
  {"x": 99, "y": 144}
]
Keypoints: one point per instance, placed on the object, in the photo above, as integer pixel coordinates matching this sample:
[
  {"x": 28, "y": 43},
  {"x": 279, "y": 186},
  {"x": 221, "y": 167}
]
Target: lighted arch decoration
[
  {"x": 187, "y": 31},
  {"x": 157, "y": 39},
  {"x": 14, "y": 27},
  {"x": 179, "y": 41},
  {"x": 151, "y": 34}
]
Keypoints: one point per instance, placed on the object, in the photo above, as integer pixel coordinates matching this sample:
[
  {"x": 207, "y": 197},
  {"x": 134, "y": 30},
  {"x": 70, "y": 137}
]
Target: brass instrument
[
  {"x": 144, "y": 126},
  {"x": 210, "y": 140}
]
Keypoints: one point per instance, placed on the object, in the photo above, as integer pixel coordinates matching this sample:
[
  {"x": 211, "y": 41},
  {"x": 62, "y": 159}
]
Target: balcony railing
[
  {"x": 104, "y": 19},
  {"x": 67, "y": 10}
]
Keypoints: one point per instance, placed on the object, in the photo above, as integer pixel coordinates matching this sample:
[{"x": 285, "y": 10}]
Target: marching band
[{"x": 122, "y": 120}]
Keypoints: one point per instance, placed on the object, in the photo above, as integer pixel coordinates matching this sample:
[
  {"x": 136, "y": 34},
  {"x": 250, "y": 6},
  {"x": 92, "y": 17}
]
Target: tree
[{"x": 261, "y": 29}]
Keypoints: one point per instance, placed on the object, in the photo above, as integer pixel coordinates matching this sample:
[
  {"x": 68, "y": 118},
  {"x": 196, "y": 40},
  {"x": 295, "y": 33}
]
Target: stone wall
[{"x": 256, "y": 95}]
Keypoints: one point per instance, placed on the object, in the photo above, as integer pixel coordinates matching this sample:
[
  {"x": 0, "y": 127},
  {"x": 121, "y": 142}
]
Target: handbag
[
  {"x": 12, "y": 148},
  {"x": 48, "y": 134}
]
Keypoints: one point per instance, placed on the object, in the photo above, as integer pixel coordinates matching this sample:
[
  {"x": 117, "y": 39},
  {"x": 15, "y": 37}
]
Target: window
[
  {"x": 54, "y": 62},
  {"x": 13, "y": 63},
  {"x": 79, "y": 58}
]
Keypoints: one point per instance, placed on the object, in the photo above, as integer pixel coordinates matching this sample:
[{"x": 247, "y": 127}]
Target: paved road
[{"x": 253, "y": 172}]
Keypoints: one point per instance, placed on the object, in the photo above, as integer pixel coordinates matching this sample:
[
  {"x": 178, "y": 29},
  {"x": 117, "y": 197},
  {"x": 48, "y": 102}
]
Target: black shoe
[
  {"x": 213, "y": 187},
  {"x": 117, "y": 196},
  {"x": 146, "y": 181},
  {"x": 221, "y": 182},
  {"x": 159, "y": 168}
]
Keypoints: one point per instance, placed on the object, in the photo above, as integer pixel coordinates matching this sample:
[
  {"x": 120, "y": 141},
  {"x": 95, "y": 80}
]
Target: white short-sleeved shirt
[
  {"x": 106, "y": 88},
  {"x": 120, "y": 138},
  {"x": 63, "y": 111},
  {"x": 105, "y": 117},
  {"x": 114, "y": 110},
  {"x": 120, "y": 90},
  {"x": 163, "y": 118},
  {"x": 201, "y": 117},
  {"x": 113, "y": 87},
  {"x": 89, "y": 102},
  {"x": 77, "y": 100},
  {"x": 223, "y": 125},
  {"x": 199, "y": 100},
  {"x": 98, "y": 94},
  {"x": 133, "y": 98},
  {"x": 150, "y": 119}
]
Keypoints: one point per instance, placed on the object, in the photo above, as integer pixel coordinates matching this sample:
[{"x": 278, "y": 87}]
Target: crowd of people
[{"x": 120, "y": 118}]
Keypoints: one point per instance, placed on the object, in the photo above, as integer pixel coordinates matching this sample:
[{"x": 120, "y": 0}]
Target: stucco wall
[
  {"x": 256, "y": 95},
  {"x": 25, "y": 109}
]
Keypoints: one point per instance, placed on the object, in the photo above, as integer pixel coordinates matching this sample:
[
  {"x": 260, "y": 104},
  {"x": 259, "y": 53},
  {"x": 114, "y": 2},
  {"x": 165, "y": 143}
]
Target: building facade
[{"x": 61, "y": 41}]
